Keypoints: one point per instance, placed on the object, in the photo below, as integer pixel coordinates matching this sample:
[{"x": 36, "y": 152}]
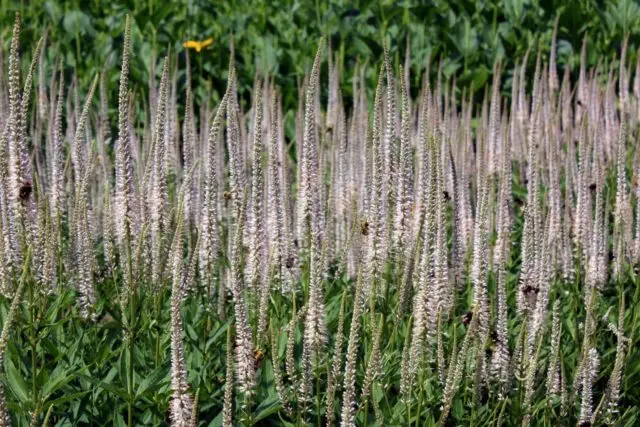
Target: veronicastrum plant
[{"x": 412, "y": 259}]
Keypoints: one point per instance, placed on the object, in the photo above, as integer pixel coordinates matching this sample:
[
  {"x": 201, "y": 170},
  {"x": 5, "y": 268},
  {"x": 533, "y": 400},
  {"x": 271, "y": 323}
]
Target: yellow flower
[{"x": 198, "y": 45}]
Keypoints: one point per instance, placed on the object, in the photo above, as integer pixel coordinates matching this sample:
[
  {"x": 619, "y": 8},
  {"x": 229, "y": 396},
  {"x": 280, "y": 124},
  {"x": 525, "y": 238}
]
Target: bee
[
  {"x": 25, "y": 190},
  {"x": 446, "y": 195},
  {"x": 258, "y": 357},
  {"x": 289, "y": 262},
  {"x": 364, "y": 228},
  {"x": 593, "y": 186},
  {"x": 330, "y": 130},
  {"x": 466, "y": 319},
  {"x": 528, "y": 290},
  {"x": 106, "y": 318},
  {"x": 295, "y": 242},
  {"x": 494, "y": 337},
  {"x": 227, "y": 197},
  {"x": 488, "y": 352}
]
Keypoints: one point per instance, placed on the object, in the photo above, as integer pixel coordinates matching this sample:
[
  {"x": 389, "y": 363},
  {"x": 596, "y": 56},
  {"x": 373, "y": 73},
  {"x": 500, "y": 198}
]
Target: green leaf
[
  {"x": 119, "y": 420},
  {"x": 480, "y": 77},
  {"x": 123, "y": 365},
  {"x": 53, "y": 9},
  {"x": 16, "y": 382},
  {"x": 58, "y": 379},
  {"x": 106, "y": 386},
  {"x": 67, "y": 398},
  {"x": 217, "y": 421},
  {"x": 153, "y": 381},
  {"x": 77, "y": 22},
  {"x": 267, "y": 407}
]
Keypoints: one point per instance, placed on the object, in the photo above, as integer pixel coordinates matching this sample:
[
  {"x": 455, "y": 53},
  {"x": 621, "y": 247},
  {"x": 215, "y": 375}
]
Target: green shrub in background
[{"x": 278, "y": 37}]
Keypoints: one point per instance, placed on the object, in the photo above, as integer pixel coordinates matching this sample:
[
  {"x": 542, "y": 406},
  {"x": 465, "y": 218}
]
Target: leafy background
[{"x": 280, "y": 37}]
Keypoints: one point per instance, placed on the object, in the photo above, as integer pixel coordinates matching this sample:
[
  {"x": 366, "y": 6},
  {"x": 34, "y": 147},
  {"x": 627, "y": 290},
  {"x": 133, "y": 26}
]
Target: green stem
[
  {"x": 318, "y": 400},
  {"x": 419, "y": 402},
  {"x": 132, "y": 301},
  {"x": 34, "y": 344},
  {"x": 408, "y": 405}
]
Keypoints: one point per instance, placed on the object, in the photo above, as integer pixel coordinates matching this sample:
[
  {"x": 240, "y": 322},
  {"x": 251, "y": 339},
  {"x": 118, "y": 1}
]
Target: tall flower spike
[
  {"x": 157, "y": 191},
  {"x": 124, "y": 209},
  {"x": 83, "y": 248},
  {"x": 553, "y": 373},
  {"x": 26, "y": 174},
  {"x": 189, "y": 146},
  {"x": 553, "y": 71},
  {"x": 389, "y": 152},
  {"x": 7, "y": 255},
  {"x": 275, "y": 198},
  {"x": 256, "y": 233},
  {"x": 530, "y": 236},
  {"x": 181, "y": 402},
  {"x": 209, "y": 234},
  {"x": 405, "y": 171},
  {"x": 343, "y": 191},
  {"x": 444, "y": 295},
  {"x": 56, "y": 189},
  {"x": 615, "y": 380},
  {"x": 500, "y": 362},
  {"x": 308, "y": 186},
  {"x": 621, "y": 199},
  {"x": 78, "y": 150},
  {"x": 245, "y": 367},
  {"x": 42, "y": 110},
  {"x": 108, "y": 229},
  {"x": 636, "y": 242},
  {"x": 504, "y": 220},
  {"x": 5, "y": 277},
  {"x": 479, "y": 262},
  {"x": 315, "y": 330},
  {"x": 494, "y": 122},
  {"x": 236, "y": 170},
  {"x": 14, "y": 154},
  {"x": 105, "y": 127},
  {"x": 425, "y": 298},
  {"x": 458, "y": 243},
  {"x": 375, "y": 215},
  {"x": 349, "y": 395},
  {"x": 588, "y": 377}
]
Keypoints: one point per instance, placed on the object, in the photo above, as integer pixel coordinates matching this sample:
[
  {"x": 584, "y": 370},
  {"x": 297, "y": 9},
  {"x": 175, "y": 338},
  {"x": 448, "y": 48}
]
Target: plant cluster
[{"x": 402, "y": 262}]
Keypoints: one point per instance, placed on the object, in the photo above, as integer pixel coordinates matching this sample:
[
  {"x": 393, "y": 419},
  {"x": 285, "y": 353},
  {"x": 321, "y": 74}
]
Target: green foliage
[{"x": 279, "y": 37}]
